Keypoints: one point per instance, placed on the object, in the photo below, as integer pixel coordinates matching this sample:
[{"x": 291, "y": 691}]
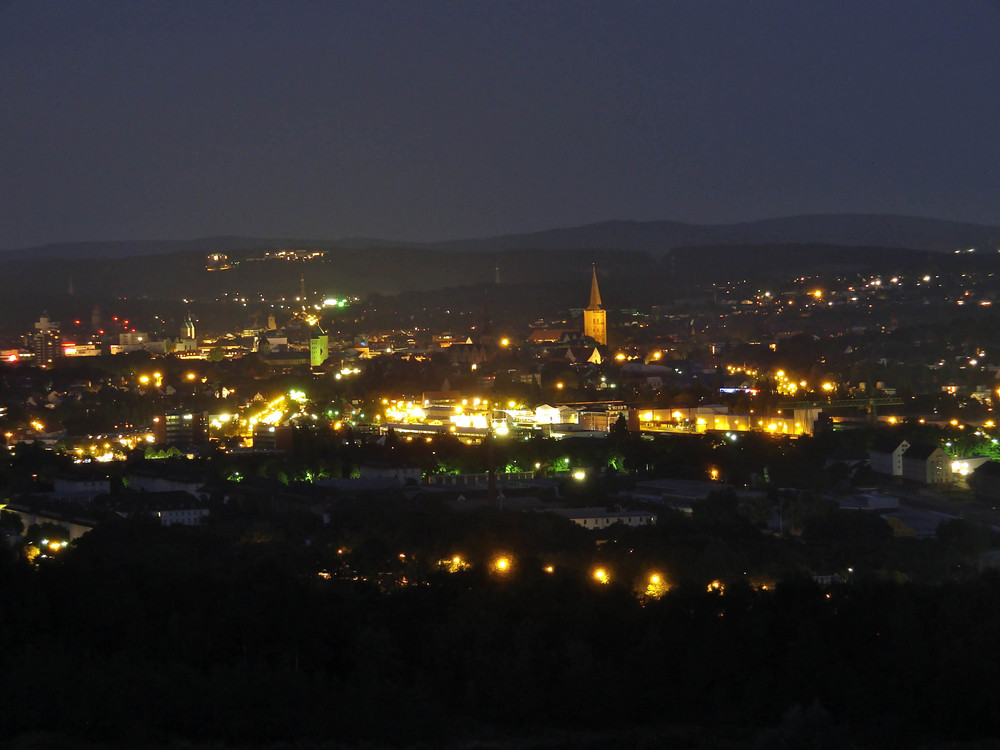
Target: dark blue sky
[{"x": 132, "y": 119}]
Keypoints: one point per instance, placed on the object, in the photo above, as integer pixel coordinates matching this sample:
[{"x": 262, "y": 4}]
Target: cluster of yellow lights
[
  {"x": 271, "y": 414},
  {"x": 156, "y": 379},
  {"x": 104, "y": 452},
  {"x": 454, "y": 565},
  {"x": 404, "y": 411},
  {"x": 656, "y": 586},
  {"x": 961, "y": 468},
  {"x": 31, "y": 551},
  {"x": 786, "y": 385},
  {"x": 502, "y": 564},
  {"x": 729, "y": 423},
  {"x": 470, "y": 412}
]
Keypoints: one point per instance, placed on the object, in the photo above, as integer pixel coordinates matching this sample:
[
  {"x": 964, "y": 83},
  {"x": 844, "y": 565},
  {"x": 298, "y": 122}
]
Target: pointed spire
[{"x": 595, "y": 293}]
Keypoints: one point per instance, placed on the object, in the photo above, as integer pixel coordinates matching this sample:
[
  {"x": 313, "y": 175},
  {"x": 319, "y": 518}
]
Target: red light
[
  {"x": 101, "y": 332},
  {"x": 76, "y": 322},
  {"x": 115, "y": 318}
]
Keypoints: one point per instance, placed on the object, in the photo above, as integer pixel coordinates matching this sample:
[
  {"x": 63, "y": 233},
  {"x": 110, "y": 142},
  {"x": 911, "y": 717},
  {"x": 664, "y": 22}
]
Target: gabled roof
[
  {"x": 887, "y": 444},
  {"x": 921, "y": 451}
]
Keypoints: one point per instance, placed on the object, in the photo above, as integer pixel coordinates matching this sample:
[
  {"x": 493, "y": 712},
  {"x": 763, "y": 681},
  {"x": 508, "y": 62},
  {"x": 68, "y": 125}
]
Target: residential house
[
  {"x": 886, "y": 456},
  {"x": 927, "y": 464}
]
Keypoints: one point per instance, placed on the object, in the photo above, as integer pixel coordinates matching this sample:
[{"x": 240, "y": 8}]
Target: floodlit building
[
  {"x": 595, "y": 317},
  {"x": 180, "y": 427},
  {"x": 927, "y": 464},
  {"x": 545, "y": 414},
  {"x": 319, "y": 349},
  {"x": 187, "y": 329},
  {"x": 602, "y": 417},
  {"x": 133, "y": 339},
  {"x": 46, "y": 341}
]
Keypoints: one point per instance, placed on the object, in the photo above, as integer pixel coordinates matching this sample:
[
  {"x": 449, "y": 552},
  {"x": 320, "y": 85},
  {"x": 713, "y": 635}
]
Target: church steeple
[
  {"x": 595, "y": 293},
  {"x": 595, "y": 318}
]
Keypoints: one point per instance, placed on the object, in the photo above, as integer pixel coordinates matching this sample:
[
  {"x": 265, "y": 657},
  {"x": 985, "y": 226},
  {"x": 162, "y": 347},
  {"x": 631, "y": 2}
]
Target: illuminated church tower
[
  {"x": 187, "y": 328},
  {"x": 595, "y": 317}
]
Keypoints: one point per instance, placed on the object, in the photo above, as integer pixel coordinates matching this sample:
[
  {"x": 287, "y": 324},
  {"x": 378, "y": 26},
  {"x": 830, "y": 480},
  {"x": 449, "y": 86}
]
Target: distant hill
[
  {"x": 660, "y": 237},
  {"x": 653, "y": 237}
]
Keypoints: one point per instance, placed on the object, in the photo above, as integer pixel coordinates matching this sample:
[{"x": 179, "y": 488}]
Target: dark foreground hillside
[{"x": 165, "y": 637}]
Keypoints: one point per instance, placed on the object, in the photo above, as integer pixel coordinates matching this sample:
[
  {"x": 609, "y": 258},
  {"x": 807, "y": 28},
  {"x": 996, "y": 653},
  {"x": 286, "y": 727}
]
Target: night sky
[{"x": 132, "y": 119}]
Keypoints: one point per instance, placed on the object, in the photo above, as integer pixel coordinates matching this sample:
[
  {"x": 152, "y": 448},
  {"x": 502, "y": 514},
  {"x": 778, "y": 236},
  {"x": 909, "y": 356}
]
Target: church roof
[{"x": 595, "y": 293}]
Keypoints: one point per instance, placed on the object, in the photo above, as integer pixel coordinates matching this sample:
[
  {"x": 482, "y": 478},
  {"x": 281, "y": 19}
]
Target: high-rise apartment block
[{"x": 46, "y": 341}]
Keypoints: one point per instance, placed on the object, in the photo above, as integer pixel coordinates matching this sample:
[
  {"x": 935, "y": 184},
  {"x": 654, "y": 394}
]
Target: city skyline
[{"x": 452, "y": 120}]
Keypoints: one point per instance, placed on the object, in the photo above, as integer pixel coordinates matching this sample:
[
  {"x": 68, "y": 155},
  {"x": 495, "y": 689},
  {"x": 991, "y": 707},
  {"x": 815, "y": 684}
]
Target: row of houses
[
  {"x": 923, "y": 463},
  {"x": 927, "y": 464}
]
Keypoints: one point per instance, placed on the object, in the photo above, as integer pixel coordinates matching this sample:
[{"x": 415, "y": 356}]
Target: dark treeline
[{"x": 146, "y": 634}]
